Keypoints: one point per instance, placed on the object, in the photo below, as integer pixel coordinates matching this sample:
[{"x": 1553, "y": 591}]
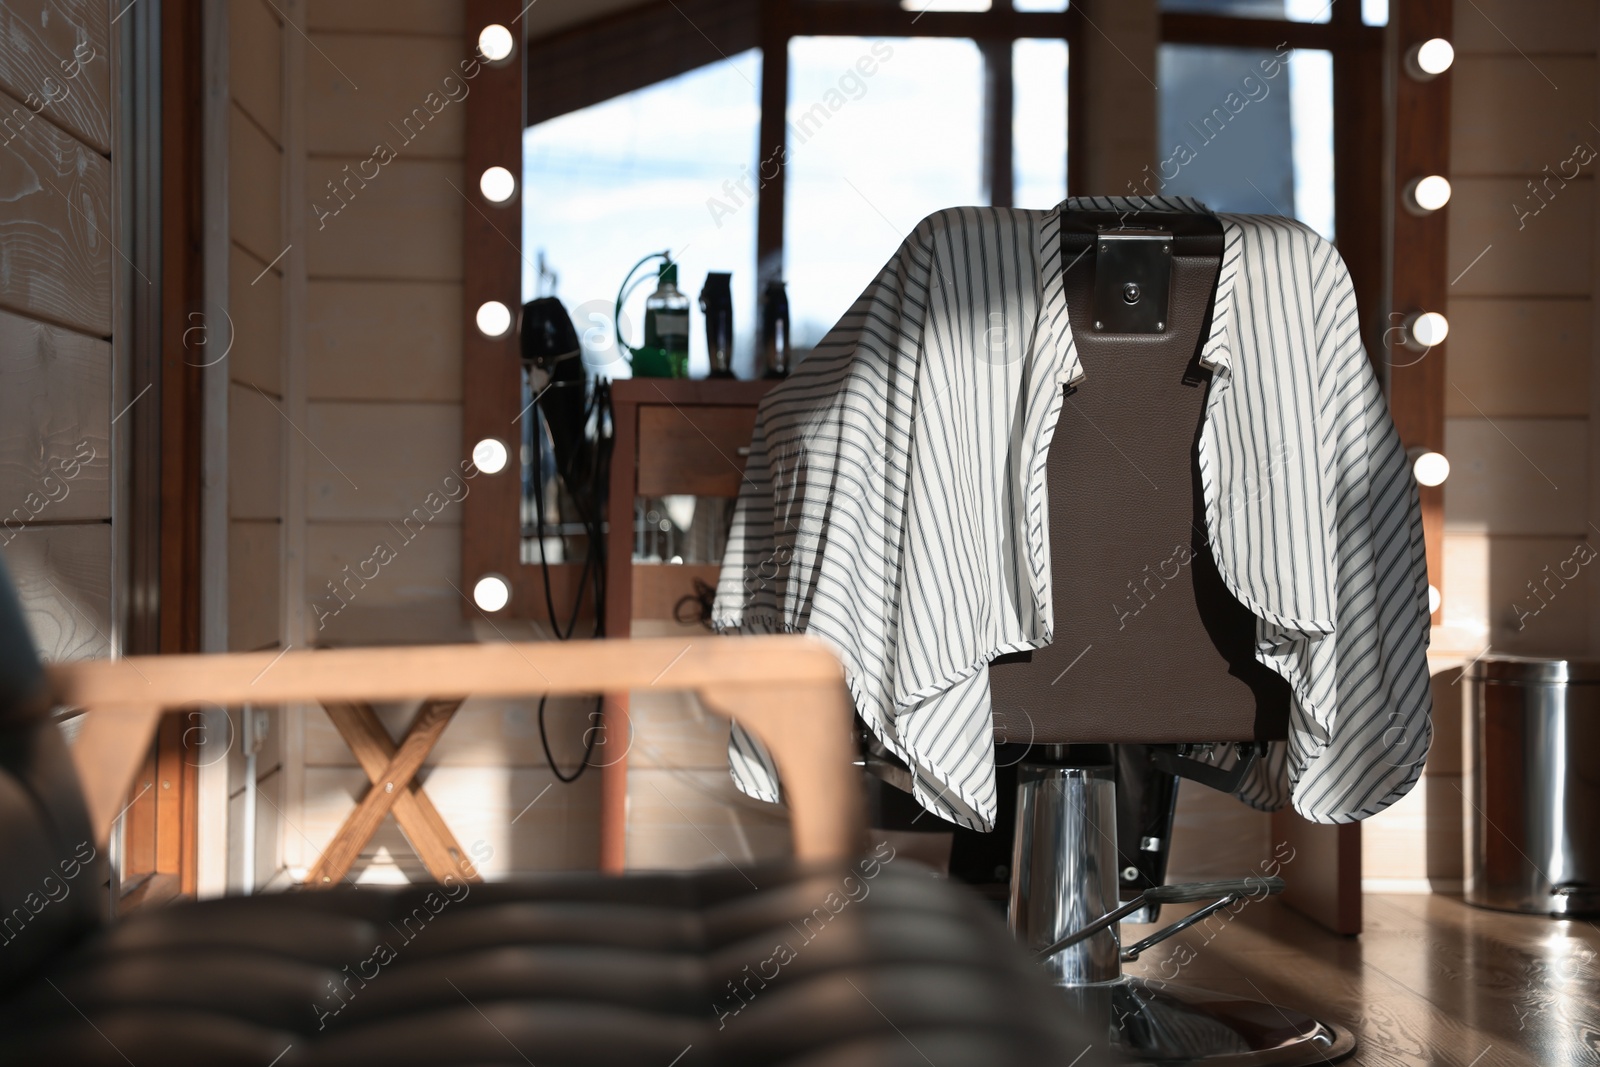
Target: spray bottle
[{"x": 665, "y": 352}]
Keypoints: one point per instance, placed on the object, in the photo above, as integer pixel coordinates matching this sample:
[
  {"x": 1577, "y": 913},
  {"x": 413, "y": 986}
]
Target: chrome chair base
[
  {"x": 1064, "y": 903},
  {"x": 1152, "y": 1022}
]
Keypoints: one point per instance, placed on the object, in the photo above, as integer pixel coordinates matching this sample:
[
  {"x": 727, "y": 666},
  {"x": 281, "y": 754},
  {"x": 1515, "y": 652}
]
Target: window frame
[
  {"x": 1360, "y": 201},
  {"x": 615, "y": 54},
  {"x": 995, "y": 31}
]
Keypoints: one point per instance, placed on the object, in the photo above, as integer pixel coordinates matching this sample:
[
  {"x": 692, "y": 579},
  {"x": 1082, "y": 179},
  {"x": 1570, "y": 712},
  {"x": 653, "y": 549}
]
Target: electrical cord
[
  {"x": 696, "y": 607},
  {"x": 588, "y": 748},
  {"x": 588, "y": 506}
]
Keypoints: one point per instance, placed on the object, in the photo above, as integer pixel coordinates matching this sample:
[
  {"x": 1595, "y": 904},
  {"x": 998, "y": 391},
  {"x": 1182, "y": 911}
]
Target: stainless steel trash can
[{"x": 1532, "y": 767}]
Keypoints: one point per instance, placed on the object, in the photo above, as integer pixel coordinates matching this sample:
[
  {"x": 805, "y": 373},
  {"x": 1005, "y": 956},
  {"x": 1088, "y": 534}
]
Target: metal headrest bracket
[{"x": 1132, "y": 281}]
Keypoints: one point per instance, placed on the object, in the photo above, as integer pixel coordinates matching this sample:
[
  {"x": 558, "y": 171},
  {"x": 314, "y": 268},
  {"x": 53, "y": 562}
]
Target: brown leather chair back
[{"x": 1149, "y": 645}]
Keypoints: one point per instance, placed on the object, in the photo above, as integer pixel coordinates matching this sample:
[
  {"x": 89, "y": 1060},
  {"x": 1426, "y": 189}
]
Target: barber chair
[
  {"x": 885, "y": 966},
  {"x": 1151, "y": 654}
]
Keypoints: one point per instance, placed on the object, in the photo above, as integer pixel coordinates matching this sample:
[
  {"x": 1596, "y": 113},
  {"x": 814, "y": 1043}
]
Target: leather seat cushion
[{"x": 879, "y": 964}]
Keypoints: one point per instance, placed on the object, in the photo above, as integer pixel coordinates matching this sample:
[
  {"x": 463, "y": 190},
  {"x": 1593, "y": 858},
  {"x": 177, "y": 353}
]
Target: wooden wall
[
  {"x": 1522, "y": 340},
  {"x": 382, "y": 348},
  {"x": 1519, "y": 398},
  {"x": 377, "y": 353},
  {"x": 252, "y": 277},
  {"x": 56, "y": 316}
]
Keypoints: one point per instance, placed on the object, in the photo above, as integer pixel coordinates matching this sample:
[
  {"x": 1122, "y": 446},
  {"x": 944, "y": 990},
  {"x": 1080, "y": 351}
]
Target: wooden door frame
[{"x": 161, "y": 173}]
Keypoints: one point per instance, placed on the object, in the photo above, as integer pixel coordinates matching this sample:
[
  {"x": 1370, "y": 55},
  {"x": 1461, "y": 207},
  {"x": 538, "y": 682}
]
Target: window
[
  {"x": 889, "y": 111},
  {"x": 1248, "y": 130},
  {"x": 668, "y": 167},
  {"x": 1292, "y": 10},
  {"x": 1373, "y": 12},
  {"x": 1285, "y": 141},
  {"x": 881, "y": 133},
  {"x": 1039, "y": 122}
]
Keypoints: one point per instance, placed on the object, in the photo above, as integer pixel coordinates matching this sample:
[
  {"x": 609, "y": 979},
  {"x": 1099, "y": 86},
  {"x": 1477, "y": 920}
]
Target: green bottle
[{"x": 665, "y": 353}]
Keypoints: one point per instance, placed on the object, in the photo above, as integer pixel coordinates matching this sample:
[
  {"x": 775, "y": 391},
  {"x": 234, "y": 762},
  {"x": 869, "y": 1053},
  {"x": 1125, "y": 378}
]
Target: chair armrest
[
  {"x": 787, "y": 690},
  {"x": 110, "y": 747}
]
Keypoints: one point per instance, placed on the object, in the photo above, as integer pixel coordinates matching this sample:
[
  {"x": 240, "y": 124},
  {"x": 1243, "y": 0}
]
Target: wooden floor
[{"x": 1430, "y": 981}]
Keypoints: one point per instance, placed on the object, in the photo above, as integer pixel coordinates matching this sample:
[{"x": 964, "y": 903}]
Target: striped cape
[{"x": 894, "y": 505}]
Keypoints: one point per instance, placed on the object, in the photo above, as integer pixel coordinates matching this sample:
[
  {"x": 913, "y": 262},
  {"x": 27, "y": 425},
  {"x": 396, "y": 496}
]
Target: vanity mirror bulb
[
  {"x": 490, "y": 456},
  {"x": 1430, "y": 59},
  {"x": 1426, "y": 195},
  {"x": 494, "y": 319},
  {"x": 1425, "y": 329},
  {"x": 491, "y": 593},
  {"x": 499, "y": 185},
  {"x": 1429, "y": 467},
  {"x": 495, "y": 42},
  {"x": 1434, "y": 599}
]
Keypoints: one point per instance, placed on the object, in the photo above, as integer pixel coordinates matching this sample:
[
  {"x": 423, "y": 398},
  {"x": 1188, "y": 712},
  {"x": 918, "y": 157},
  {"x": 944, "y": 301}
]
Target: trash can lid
[{"x": 1533, "y": 670}]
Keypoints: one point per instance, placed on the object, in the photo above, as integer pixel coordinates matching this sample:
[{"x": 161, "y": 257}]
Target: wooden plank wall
[
  {"x": 383, "y": 352},
  {"x": 1518, "y": 396},
  {"x": 56, "y": 320},
  {"x": 1522, "y": 340},
  {"x": 382, "y": 369},
  {"x": 258, "y": 429}
]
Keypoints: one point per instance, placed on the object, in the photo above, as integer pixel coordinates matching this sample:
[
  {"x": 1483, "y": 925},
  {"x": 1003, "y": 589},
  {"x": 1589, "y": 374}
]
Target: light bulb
[
  {"x": 494, "y": 318},
  {"x": 1429, "y": 467},
  {"x": 1434, "y": 599},
  {"x": 491, "y": 593},
  {"x": 495, "y": 42},
  {"x": 1430, "y": 58},
  {"x": 498, "y": 185},
  {"x": 1427, "y": 195},
  {"x": 490, "y": 456},
  {"x": 1426, "y": 329}
]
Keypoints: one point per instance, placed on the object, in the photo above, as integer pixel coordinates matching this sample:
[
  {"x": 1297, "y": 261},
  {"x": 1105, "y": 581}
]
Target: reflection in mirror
[
  {"x": 671, "y": 166},
  {"x": 882, "y": 133},
  {"x": 681, "y": 529}
]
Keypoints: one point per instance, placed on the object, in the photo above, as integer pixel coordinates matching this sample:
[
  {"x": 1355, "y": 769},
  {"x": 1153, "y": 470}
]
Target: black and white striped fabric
[{"x": 894, "y": 505}]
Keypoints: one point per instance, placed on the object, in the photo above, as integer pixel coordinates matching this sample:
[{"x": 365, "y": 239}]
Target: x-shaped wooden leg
[{"x": 391, "y": 771}]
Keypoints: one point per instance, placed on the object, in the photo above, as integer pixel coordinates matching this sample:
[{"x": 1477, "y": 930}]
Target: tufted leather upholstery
[
  {"x": 567, "y": 970},
  {"x": 877, "y": 964}
]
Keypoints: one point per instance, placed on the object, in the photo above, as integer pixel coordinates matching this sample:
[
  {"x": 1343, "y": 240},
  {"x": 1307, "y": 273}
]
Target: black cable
[
  {"x": 538, "y": 510},
  {"x": 600, "y": 483},
  {"x": 598, "y": 406},
  {"x": 588, "y": 748},
  {"x": 701, "y": 603},
  {"x": 588, "y": 514}
]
